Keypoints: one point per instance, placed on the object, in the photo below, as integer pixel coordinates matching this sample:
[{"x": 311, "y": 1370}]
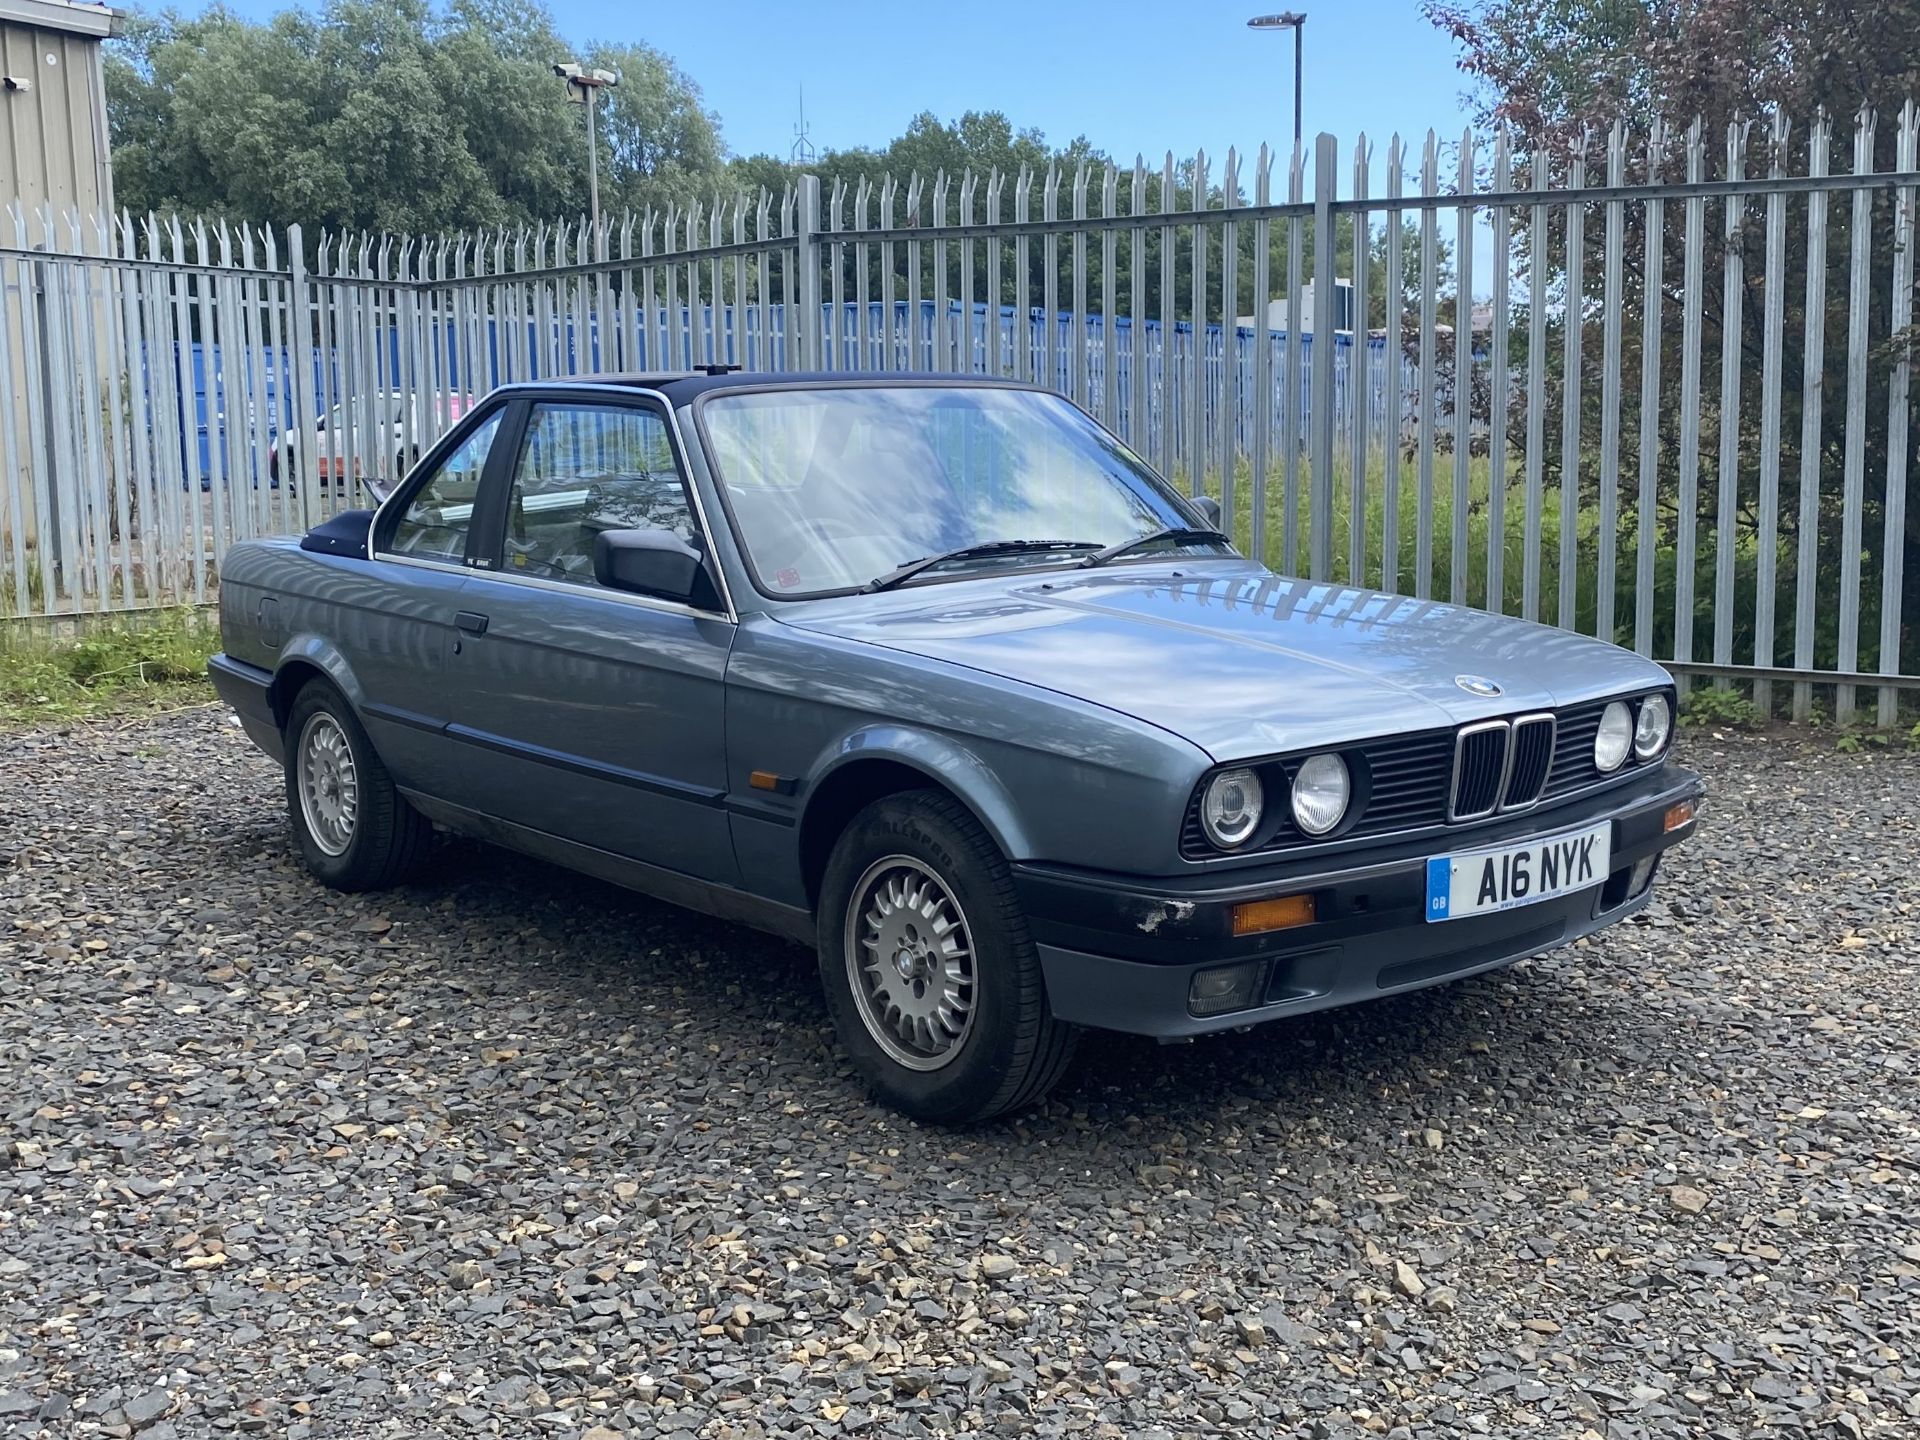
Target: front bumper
[{"x": 1120, "y": 952}]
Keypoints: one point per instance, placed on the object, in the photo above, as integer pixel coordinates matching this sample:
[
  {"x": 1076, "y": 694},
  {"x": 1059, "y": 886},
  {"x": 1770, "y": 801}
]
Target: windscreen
[{"x": 832, "y": 487}]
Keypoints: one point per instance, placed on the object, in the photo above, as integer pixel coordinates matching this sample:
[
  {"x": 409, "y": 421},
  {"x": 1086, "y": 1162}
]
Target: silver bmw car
[{"x": 936, "y": 676}]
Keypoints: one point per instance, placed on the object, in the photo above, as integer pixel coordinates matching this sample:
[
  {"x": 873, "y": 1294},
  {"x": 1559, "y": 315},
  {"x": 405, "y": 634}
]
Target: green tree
[
  {"x": 1562, "y": 73},
  {"x": 502, "y": 98},
  {"x": 391, "y": 115}
]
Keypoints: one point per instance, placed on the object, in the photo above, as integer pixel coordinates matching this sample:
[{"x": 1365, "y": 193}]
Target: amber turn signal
[
  {"x": 1257, "y": 917},
  {"x": 1679, "y": 815}
]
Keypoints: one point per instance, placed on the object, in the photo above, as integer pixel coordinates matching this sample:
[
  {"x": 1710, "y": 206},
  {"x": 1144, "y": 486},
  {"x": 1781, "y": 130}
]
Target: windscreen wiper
[
  {"x": 1173, "y": 534},
  {"x": 969, "y": 552}
]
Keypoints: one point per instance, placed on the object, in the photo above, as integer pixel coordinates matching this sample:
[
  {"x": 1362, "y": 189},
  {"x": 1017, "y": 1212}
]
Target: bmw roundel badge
[{"x": 1477, "y": 685}]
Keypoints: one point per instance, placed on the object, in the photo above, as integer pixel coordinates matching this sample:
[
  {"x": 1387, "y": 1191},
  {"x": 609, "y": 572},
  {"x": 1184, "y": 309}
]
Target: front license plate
[{"x": 1483, "y": 881}]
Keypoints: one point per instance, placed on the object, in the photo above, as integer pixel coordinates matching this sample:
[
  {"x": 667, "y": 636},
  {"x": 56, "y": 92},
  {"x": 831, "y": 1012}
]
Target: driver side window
[
  {"x": 584, "y": 469},
  {"x": 436, "y": 523}
]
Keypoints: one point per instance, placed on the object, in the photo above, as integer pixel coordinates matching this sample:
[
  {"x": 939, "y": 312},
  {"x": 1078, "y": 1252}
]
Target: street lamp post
[
  {"x": 1296, "y": 21},
  {"x": 583, "y": 88}
]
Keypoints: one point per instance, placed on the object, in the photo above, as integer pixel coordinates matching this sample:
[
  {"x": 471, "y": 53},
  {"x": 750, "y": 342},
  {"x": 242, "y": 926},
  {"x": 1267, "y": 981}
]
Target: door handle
[{"x": 470, "y": 621}]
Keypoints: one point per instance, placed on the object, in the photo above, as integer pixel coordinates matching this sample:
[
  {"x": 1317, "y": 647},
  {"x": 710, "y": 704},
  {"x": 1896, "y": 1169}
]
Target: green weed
[
  {"x": 1722, "y": 707},
  {"x": 128, "y": 665}
]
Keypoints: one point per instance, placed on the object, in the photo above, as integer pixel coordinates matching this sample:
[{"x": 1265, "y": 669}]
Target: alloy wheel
[
  {"x": 329, "y": 784},
  {"x": 910, "y": 963}
]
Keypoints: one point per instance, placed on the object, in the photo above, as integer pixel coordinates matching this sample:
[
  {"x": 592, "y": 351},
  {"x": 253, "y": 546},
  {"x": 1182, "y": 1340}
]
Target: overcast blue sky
[{"x": 1131, "y": 76}]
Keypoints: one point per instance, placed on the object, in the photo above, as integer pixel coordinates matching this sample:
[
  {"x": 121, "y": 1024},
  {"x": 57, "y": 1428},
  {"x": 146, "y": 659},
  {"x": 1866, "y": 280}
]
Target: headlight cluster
[
  {"x": 1231, "y": 809},
  {"x": 1234, "y": 802},
  {"x": 1622, "y": 731},
  {"x": 1320, "y": 794},
  {"x": 1654, "y": 727}
]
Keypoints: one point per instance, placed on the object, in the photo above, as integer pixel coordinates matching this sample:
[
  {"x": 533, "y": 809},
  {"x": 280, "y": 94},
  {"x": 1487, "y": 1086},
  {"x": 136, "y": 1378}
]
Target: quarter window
[
  {"x": 584, "y": 469},
  {"x": 436, "y": 523}
]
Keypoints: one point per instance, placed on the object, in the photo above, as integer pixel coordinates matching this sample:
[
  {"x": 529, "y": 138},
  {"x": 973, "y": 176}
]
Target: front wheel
[
  {"x": 930, "y": 974},
  {"x": 353, "y": 829}
]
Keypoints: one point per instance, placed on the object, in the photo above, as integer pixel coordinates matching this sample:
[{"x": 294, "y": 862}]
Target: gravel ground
[{"x": 516, "y": 1153}]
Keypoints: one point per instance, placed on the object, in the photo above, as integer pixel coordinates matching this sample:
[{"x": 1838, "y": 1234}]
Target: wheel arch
[
  {"x": 305, "y": 658},
  {"x": 886, "y": 761}
]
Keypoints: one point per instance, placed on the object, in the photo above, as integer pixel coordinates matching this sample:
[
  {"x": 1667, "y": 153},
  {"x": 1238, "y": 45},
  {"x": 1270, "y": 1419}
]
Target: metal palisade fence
[{"x": 1653, "y": 388}]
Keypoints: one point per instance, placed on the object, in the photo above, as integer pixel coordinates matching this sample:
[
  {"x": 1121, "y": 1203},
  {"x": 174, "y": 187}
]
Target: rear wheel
[
  {"x": 931, "y": 976},
  {"x": 353, "y": 829}
]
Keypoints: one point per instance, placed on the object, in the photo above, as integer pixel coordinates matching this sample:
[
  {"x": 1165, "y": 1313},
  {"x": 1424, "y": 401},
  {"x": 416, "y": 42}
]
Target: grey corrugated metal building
[
  {"x": 53, "y": 106},
  {"x": 54, "y": 152}
]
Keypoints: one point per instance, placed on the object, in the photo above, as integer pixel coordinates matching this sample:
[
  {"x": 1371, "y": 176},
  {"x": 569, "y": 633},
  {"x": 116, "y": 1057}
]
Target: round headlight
[
  {"x": 1321, "y": 789},
  {"x": 1614, "y": 739},
  {"x": 1654, "y": 727},
  {"x": 1230, "y": 810}
]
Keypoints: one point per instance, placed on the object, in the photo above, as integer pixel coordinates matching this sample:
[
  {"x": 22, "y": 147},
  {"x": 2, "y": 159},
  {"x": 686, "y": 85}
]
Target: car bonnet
[{"x": 1235, "y": 659}]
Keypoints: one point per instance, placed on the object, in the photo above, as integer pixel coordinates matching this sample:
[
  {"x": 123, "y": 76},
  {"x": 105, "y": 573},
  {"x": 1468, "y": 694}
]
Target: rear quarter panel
[
  {"x": 277, "y": 600},
  {"x": 377, "y": 630}
]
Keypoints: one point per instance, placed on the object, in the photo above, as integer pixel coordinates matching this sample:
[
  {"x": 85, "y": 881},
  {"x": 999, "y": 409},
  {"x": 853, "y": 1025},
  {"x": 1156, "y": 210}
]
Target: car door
[
  {"x": 595, "y": 715},
  {"x": 397, "y": 616}
]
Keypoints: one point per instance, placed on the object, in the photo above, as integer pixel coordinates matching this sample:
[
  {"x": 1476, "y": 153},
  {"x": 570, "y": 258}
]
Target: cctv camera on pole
[{"x": 582, "y": 86}]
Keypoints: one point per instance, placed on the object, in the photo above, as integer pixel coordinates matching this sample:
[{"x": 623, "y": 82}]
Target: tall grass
[
  {"x": 1583, "y": 554},
  {"x": 130, "y": 663}
]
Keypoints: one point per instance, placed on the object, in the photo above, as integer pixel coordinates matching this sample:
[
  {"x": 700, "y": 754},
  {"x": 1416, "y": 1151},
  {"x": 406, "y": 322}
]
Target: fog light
[
  {"x": 1224, "y": 988},
  {"x": 1283, "y": 912},
  {"x": 1679, "y": 816},
  {"x": 1642, "y": 876}
]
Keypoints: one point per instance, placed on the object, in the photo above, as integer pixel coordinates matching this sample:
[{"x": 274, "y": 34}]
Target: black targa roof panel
[{"x": 684, "y": 387}]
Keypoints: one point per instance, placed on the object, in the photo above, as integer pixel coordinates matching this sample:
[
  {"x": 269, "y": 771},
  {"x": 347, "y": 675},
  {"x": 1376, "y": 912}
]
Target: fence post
[
  {"x": 1812, "y": 372},
  {"x": 1326, "y": 155},
  {"x": 1359, "y": 376},
  {"x": 1854, "y": 456},
  {"x": 305, "y": 467},
  {"x": 807, "y": 251},
  {"x": 16, "y": 513},
  {"x": 1894, "y": 515},
  {"x": 55, "y": 549}
]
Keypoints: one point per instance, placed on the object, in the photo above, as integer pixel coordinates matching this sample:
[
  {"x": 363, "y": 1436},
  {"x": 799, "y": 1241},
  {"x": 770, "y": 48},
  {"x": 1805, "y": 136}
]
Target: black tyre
[
  {"x": 930, "y": 974},
  {"x": 353, "y": 830}
]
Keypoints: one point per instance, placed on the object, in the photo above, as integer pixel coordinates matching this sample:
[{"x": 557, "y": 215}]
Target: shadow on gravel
[
  {"x": 628, "y": 965},
  {"x": 1353, "y": 1055}
]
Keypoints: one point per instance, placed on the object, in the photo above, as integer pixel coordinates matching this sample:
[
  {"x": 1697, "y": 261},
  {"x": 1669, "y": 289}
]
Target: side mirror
[
  {"x": 1209, "y": 508},
  {"x": 652, "y": 562}
]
